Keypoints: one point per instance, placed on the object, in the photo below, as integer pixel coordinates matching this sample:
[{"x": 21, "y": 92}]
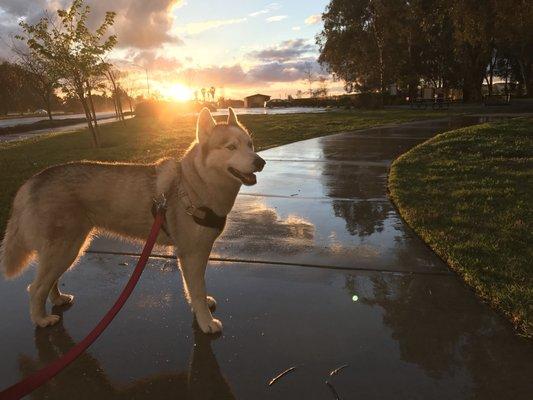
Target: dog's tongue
[{"x": 249, "y": 179}]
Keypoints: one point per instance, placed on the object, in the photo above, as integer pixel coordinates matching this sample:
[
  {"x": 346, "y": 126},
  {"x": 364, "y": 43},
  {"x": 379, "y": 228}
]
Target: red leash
[{"x": 35, "y": 380}]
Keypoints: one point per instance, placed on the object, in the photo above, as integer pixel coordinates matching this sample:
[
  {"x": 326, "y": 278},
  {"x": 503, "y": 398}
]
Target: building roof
[{"x": 258, "y": 95}]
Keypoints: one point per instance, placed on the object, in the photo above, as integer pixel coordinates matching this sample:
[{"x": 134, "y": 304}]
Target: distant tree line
[
  {"x": 22, "y": 90},
  {"x": 20, "y": 94},
  {"x": 445, "y": 44}
]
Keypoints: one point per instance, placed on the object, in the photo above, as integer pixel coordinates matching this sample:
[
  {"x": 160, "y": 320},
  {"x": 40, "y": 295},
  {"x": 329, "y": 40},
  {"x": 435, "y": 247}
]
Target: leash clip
[{"x": 160, "y": 203}]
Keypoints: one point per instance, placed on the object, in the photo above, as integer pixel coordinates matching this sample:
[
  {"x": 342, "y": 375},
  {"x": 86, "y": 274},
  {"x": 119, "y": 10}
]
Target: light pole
[{"x": 147, "y": 82}]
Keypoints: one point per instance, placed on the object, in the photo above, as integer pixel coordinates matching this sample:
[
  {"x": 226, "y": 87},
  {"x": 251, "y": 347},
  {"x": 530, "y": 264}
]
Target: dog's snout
[{"x": 259, "y": 163}]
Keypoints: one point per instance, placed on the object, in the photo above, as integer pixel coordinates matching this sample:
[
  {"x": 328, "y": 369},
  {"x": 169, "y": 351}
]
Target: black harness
[
  {"x": 203, "y": 216},
  {"x": 209, "y": 219}
]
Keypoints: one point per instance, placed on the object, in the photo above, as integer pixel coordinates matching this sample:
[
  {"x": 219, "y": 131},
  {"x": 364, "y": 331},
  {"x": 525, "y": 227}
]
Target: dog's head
[{"x": 228, "y": 148}]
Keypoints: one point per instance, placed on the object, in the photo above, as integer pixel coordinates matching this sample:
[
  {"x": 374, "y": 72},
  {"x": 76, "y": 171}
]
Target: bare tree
[
  {"x": 41, "y": 78},
  {"x": 113, "y": 75},
  {"x": 128, "y": 88},
  {"x": 309, "y": 77},
  {"x": 322, "y": 86}
]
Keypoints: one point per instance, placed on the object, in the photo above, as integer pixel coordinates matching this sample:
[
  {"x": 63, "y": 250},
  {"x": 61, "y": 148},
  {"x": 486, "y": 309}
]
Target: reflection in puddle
[
  {"x": 349, "y": 234},
  {"x": 202, "y": 380},
  {"x": 291, "y": 234},
  {"x": 444, "y": 330},
  {"x": 362, "y": 218}
]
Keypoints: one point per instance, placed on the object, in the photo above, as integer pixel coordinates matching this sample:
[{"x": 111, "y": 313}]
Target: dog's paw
[
  {"x": 213, "y": 326},
  {"x": 63, "y": 299},
  {"x": 211, "y": 303},
  {"x": 47, "y": 320}
]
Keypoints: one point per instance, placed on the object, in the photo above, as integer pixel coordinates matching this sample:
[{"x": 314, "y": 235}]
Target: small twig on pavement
[
  {"x": 337, "y": 370},
  {"x": 280, "y": 375},
  {"x": 337, "y": 397}
]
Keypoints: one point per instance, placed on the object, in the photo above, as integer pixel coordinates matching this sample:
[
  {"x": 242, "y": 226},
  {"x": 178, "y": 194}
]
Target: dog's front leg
[{"x": 193, "y": 272}]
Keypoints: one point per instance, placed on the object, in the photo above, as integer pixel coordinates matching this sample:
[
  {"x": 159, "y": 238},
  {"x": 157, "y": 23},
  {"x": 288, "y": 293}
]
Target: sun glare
[{"x": 180, "y": 92}]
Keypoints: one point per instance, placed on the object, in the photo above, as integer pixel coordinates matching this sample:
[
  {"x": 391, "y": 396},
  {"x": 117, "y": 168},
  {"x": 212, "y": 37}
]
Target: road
[
  {"x": 4, "y": 123},
  {"x": 102, "y": 120}
]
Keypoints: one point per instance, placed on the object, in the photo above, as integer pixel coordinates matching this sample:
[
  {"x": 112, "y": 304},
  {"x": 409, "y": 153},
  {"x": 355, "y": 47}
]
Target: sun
[{"x": 180, "y": 92}]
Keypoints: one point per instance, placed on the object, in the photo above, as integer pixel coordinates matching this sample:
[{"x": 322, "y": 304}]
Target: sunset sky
[{"x": 240, "y": 47}]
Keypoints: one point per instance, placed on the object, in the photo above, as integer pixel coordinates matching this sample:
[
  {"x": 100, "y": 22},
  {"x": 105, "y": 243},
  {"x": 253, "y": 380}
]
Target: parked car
[
  {"x": 274, "y": 103},
  {"x": 40, "y": 112}
]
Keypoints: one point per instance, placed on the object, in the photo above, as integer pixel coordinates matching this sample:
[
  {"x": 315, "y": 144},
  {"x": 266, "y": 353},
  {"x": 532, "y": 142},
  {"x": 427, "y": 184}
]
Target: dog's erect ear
[
  {"x": 205, "y": 125},
  {"x": 232, "y": 118}
]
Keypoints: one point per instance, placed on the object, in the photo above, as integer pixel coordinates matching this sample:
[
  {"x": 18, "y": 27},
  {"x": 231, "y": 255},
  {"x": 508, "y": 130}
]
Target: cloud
[
  {"x": 149, "y": 59},
  {"x": 10, "y": 12},
  {"x": 276, "y": 18},
  {"x": 235, "y": 76},
  {"x": 217, "y": 76},
  {"x": 268, "y": 8},
  {"x": 313, "y": 19},
  {"x": 296, "y": 28},
  {"x": 138, "y": 23},
  {"x": 22, "y": 7},
  {"x": 280, "y": 71},
  {"x": 289, "y": 49},
  {"x": 194, "y": 28}
]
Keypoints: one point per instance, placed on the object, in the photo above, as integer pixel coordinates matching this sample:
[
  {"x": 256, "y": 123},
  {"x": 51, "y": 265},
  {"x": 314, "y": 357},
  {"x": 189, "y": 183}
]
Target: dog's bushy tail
[{"x": 14, "y": 255}]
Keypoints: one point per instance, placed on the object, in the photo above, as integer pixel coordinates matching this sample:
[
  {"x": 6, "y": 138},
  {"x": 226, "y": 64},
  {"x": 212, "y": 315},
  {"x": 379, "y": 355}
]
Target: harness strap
[{"x": 203, "y": 216}]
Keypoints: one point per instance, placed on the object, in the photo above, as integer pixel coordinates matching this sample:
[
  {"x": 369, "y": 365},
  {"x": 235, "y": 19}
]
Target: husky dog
[{"x": 56, "y": 211}]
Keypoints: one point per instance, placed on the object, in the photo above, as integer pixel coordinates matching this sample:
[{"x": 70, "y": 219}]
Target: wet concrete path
[{"x": 315, "y": 269}]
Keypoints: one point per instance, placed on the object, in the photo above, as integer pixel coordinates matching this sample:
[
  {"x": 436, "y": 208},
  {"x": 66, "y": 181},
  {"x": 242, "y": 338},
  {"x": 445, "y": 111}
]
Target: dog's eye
[{"x": 231, "y": 147}]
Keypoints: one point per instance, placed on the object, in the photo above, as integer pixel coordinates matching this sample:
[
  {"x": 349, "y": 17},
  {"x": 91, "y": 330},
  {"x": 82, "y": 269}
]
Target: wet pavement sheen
[{"x": 356, "y": 287}]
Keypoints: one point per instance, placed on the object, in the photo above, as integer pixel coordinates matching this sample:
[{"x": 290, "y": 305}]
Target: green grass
[
  {"x": 276, "y": 130},
  {"x": 468, "y": 194},
  {"x": 146, "y": 139}
]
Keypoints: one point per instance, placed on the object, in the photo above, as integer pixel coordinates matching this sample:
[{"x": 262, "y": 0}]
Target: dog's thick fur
[{"x": 56, "y": 211}]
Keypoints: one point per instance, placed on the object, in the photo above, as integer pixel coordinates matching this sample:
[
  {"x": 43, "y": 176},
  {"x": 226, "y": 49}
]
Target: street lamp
[{"x": 147, "y": 82}]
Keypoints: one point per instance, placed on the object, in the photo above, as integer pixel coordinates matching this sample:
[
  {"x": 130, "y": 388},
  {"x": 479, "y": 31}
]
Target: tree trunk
[
  {"x": 91, "y": 104},
  {"x": 475, "y": 61},
  {"x": 472, "y": 90},
  {"x": 116, "y": 98},
  {"x": 119, "y": 104},
  {"x": 48, "y": 107},
  {"x": 121, "y": 112},
  {"x": 472, "y": 83},
  {"x": 92, "y": 111},
  {"x": 88, "y": 117},
  {"x": 527, "y": 76},
  {"x": 412, "y": 89},
  {"x": 115, "y": 105}
]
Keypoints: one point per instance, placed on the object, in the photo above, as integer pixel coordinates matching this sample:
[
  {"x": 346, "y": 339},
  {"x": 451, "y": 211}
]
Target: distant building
[{"x": 256, "y": 100}]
